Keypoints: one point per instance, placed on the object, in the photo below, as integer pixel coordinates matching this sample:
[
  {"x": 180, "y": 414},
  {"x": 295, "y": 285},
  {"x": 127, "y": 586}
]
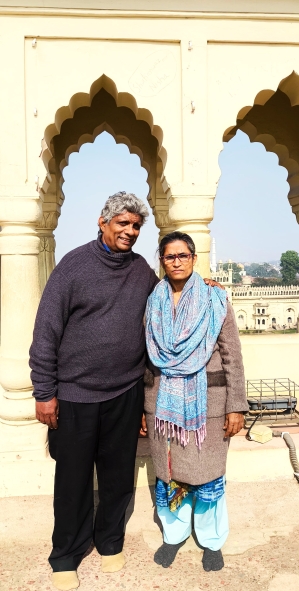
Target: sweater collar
[{"x": 114, "y": 260}]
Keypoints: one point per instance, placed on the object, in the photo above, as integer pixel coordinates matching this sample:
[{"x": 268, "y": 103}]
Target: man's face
[{"x": 122, "y": 232}]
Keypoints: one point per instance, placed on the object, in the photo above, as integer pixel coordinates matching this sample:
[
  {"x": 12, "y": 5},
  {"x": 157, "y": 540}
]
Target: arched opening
[
  {"x": 273, "y": 121},
  {"x": 259, "y": 206},
  {"x": 265, "y": 134},
  {"x": 81, "y": 122},
  {"x": 252, "y": 201},
  {"x": 95, "y": 172},
  {"x": 290, "y": 317},
  {"x": 241, "y": 319}
]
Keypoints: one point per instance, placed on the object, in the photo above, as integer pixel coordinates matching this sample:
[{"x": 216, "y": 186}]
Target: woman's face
[{"x": 178, "y": 269}]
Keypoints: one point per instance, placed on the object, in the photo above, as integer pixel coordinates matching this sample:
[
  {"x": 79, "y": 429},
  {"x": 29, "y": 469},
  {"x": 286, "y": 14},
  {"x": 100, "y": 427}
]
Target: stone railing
[{"x": 268, "y": 291}]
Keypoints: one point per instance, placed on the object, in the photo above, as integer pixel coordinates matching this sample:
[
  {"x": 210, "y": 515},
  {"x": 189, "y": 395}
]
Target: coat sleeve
[
  {"x": 232, "y": 363},
  {"x": 51, "y": 319}
]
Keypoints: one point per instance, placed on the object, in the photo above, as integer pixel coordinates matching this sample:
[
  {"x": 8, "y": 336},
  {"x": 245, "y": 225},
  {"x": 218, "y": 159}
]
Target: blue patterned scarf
[{"x": 180, "y": 343}]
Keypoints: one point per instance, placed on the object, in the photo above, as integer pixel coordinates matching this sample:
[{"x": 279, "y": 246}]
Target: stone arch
[
  {"x": 81, "y": 121},
  {"x": 290, "y": 315},
  {"x": 82, "y": 100},
  {"x": 241, "y": 316},
  {"x": 273, "y": 120}
]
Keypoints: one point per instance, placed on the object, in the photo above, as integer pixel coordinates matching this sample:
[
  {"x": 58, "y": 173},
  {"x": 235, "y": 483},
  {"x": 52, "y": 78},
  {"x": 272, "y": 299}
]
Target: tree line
[{"x": 265, "y": 274}]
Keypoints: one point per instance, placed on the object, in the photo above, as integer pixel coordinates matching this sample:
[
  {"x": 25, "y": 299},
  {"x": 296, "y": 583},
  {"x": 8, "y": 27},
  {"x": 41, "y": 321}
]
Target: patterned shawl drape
[{"x": 180, "y": 342}]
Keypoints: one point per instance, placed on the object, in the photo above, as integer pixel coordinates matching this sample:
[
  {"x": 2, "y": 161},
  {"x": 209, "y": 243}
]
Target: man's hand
[
  {"x": 234, "y": 422},
  {"x": 47, "y": 412},
  {"x": 213, "y": 283},
  {"x": 143, "y": 427}
]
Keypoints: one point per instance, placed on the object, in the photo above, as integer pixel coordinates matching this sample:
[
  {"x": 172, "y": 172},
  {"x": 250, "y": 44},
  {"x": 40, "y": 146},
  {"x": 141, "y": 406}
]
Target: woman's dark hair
[{"x": 173, "y": 237}]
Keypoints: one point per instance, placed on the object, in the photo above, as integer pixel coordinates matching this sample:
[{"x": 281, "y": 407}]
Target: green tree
[
  {"x": 237, "y": 278},
  {"x": 289, "y": 265}
]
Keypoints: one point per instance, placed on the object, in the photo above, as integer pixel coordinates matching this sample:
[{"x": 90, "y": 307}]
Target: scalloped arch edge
[{"x": 81, "y": 99}]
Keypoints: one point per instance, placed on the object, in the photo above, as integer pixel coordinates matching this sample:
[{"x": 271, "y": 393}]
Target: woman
[{"x": 194, "y": 402}]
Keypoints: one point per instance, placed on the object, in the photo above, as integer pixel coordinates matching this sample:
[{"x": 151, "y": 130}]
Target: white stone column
[
  {"x": 192, "y": 213},
  {"x": 161, "y": 213},
  {"x": 46, "y": 258},
  {"x": 20, "y": 434}
]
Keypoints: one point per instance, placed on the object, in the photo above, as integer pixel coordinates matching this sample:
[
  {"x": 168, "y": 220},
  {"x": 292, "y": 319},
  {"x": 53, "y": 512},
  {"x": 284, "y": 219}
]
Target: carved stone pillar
[
  {"x": 20, "y": 434},
  {"x": 192, "y": 214},
  {"x": 163, "y": 223},
  {"x": 46, "y": 257}
]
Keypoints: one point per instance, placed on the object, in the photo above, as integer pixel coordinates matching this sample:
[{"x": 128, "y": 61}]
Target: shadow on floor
[{"x": 130, "y": 509}]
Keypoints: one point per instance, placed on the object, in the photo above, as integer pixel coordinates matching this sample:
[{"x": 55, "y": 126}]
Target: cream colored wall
[
  {"x": 224, "y": 71},
  {"x": 188, "y": 75}
]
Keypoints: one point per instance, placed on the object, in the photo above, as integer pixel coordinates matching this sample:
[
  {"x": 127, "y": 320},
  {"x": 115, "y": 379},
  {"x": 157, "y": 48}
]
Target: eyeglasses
[{"x": 170, "y": 258}]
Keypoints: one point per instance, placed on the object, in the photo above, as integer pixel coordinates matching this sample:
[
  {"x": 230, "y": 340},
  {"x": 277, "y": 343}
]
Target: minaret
[
  {"x": 213, "y": 259},
  {"x": 230, "y": 271}
]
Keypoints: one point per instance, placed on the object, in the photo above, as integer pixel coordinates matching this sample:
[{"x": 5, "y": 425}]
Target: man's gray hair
[{"x": 121, "y": 202}]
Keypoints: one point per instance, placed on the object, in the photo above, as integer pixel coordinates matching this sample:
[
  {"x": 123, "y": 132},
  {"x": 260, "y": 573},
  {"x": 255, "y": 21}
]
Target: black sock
[
  {"x": 212, "y": 560},
  {"x": 166, "y": 554}
]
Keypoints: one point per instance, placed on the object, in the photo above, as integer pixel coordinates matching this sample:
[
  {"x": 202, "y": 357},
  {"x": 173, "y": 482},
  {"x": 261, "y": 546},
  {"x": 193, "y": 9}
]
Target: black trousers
[{"x": 104, "y": 434}]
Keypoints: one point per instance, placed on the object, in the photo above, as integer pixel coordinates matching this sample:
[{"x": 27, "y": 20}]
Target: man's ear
[{"x": 101, "y": 223}]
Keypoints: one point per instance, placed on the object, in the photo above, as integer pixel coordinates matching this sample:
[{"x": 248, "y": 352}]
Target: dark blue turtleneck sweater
[{"x": 88, "y": 342}]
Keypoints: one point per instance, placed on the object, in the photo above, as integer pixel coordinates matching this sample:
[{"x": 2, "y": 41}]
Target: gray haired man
[{"x": 88, "y": 360}]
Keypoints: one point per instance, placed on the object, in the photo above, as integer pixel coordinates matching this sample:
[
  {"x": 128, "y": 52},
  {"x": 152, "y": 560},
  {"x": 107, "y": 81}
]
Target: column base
[
  {"x": 26, "y": 477},
  {"x": 25, "y": 464},
  {"x": 21, "y": 435},
  {"x": 23, "y": 441}
]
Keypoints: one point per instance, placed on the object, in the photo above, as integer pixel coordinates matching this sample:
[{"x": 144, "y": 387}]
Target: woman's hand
[
  {"x": 143, "y": 426},
  {"x": 213, "y": 283},
  {"x": 234, "y": 422}
]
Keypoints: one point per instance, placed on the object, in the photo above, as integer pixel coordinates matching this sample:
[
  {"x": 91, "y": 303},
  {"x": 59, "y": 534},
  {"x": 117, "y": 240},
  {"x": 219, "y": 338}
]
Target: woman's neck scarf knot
[{"x": 180, "y": 342}]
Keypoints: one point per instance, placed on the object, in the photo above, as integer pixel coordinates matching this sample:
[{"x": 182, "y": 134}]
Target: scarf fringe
[{"x": 182, "y": 435}]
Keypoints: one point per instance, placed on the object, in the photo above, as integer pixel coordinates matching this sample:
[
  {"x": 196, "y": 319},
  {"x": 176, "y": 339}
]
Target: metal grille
[{"x": 274, "y": 399}]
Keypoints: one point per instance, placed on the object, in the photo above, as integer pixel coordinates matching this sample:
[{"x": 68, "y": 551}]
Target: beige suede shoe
[
  {"x": 111, "y": 564},
  {"x": 65, "y": 580}
]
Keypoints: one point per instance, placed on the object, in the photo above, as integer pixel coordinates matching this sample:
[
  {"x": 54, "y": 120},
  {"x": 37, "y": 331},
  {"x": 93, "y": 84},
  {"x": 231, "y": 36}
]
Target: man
[{"x": 88, "y": 361}]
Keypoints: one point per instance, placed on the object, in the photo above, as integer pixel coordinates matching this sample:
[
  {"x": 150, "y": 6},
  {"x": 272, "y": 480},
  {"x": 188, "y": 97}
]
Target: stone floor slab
[
  {"x": 286, "y": 581},
  {"x": 263, "y": 545}
]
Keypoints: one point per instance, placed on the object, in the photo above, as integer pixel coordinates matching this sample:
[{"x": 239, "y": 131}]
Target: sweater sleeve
[
  {"x": 232, "y": 363},
  {"x": 51, "y": 319}
]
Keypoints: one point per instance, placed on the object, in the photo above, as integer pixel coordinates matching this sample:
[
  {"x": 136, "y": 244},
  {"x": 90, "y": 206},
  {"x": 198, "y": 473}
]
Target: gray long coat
[{"x": 226, "y": 393}]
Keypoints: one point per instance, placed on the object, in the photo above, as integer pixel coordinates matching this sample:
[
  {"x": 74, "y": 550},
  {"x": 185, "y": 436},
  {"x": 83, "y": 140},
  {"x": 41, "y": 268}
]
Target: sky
[{"x": 253, "y": 219}]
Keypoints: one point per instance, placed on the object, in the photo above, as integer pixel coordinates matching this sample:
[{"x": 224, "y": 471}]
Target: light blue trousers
[{"x": 210, "y": 522}]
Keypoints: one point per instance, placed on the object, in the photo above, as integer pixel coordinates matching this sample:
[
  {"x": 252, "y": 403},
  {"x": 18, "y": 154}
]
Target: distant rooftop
[{"x": 223, "y": 6}]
